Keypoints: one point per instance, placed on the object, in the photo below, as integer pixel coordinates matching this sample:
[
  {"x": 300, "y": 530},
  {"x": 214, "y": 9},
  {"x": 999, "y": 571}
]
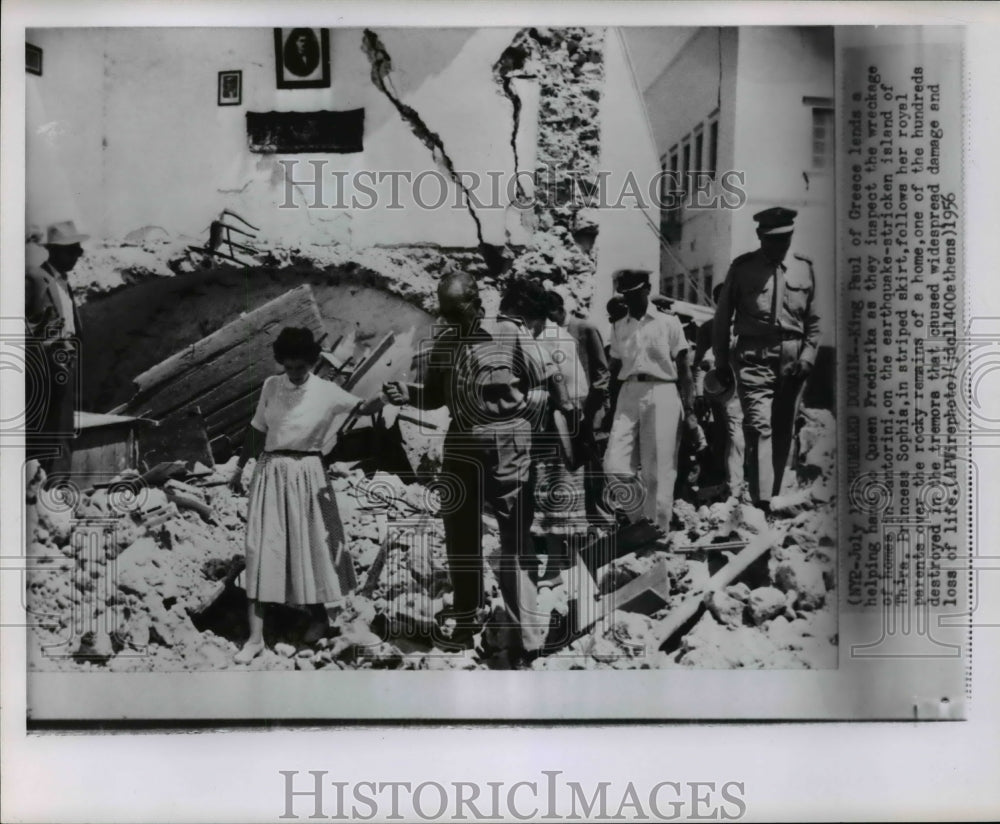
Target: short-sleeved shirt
[
  {"x": 564, "y": 353},
  {"x": 768, "y": 299},
  {"x": 495, "y": 375},
  {"x": 301, "y": 418},
  {"x": 648, "y": 345}
]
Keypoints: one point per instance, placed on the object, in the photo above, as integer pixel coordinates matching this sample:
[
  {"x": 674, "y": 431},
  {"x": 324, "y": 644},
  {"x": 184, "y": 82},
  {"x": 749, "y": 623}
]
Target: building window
[
  {"x": 707, "y": 274},
  {"x": 686, "y": 168},
  {"x": 713, "y": 149},
  {"x": 822, "y": 138},
  {"x": 667, "y": 286},
  {"x": 698, "y": 161},
  {"x": 675, "y": 171}
]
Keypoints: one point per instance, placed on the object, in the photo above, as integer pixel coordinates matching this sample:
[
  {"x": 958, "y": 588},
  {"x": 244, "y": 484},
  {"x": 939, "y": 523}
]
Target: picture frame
[
  {"x": 32, "y": 59},
  {"x": 230, "y": 88},
  {"x": 302, "y": 58}
]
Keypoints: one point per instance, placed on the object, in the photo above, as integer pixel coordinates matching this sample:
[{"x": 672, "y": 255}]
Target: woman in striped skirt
[{"x": 296, "y": 552}]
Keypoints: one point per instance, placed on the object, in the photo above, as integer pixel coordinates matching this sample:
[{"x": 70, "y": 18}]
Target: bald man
[{"x": 492, "y": 378}]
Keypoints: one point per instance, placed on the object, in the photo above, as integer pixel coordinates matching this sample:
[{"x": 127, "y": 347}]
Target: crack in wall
[
  {"x": 511, "y": 65},
  {"x": 381, "y": 64}
]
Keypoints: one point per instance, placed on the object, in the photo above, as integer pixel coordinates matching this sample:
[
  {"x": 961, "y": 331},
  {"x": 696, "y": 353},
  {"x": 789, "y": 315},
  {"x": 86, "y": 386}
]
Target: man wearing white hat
[
  {"x": 769, "y": 305},
  {"x": 649, "y": 355},
  {"x": 52, "y": 319}
]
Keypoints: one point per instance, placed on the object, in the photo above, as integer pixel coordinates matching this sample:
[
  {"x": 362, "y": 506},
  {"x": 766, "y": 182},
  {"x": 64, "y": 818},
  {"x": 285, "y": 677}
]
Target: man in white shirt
[{"x": 649, "y": 355}]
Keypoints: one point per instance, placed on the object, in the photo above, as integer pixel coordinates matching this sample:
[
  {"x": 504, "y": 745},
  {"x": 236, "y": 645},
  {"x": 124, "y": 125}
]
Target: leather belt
[
  {"x": 770, "y": 337},
  {"x": 642, "y": 378},
  {"x": 293, "y": 453}
]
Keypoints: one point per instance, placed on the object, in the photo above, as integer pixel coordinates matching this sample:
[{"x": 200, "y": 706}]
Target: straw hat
[
  {"x": 64, "y": 233},
  {"x": 719, "y": 387}
]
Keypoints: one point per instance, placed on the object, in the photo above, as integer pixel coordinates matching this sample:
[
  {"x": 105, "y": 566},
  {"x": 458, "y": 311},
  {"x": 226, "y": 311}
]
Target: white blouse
[
  {"x": 302, "y": 418},
  {"x": 564, "y": 354}
]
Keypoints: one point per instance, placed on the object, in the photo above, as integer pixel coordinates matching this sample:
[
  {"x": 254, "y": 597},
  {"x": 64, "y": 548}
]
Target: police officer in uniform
[{"x": 777, "y": 334}]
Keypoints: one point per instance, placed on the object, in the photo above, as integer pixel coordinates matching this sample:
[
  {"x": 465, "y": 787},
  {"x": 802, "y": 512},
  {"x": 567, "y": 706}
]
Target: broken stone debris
[{"x": 169, "y": 580}]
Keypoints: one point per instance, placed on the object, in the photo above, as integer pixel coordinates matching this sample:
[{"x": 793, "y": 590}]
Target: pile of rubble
[{"x": 145, "y": 574}]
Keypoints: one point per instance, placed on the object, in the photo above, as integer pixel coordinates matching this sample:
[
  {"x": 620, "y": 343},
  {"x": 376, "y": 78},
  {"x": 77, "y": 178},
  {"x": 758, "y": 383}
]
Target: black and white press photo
[
  {"x": 479, "y": 350},
  {"x": 511, "y": 411}
]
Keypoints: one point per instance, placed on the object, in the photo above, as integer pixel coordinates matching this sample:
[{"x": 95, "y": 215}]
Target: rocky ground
[{"x": 160, "y": 589}]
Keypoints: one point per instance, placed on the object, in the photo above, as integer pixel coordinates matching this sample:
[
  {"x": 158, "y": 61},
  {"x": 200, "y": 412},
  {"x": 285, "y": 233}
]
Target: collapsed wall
[
  {"x": 133, "y": 319},
  {"x": 567, "y": 64}
]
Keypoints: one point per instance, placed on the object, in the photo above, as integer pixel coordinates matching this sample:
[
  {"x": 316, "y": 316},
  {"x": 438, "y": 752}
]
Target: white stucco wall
[
  {"x": 765, "y": 131},
  {"x": 124, "y": 131},
  {"x": 626, "y": 239},
  {"x": 778, "y": 67},
  {"x": 700, "y": 79}
]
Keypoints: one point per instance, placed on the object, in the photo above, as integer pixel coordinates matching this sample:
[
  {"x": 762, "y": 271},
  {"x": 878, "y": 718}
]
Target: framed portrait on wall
[
  {"x": 32, "y": 59},
  {"x": 302, "y": 58},
  {"x": 230, "y": 88}
]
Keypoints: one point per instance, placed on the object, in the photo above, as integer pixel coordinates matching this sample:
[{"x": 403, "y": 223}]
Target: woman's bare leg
[{"x": 255, "y": 643}]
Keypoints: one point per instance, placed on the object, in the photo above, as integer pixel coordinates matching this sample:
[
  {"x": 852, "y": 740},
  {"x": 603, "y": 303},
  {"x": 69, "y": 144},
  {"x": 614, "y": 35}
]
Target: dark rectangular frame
[
  {"x": 239, "y": 91},
  {"x": 336, "y": 132},
  {"x": 30, "y": 50},
  {"x": 324, "y": 59}
]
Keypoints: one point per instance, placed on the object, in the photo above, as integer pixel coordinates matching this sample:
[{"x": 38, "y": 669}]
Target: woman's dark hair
[
  {"x": 617, "y": 308},
  {"x": 557, "y": 306},
  {"x": 295, "y": 343},
  {"x": 525, "y": 298}
]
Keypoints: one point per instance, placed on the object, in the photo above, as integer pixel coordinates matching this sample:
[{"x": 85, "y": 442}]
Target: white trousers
[{"x": 643, "y": 445}]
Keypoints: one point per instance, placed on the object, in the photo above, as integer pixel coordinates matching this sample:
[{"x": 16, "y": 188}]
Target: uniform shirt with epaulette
[{"x": 770, "y": 301}]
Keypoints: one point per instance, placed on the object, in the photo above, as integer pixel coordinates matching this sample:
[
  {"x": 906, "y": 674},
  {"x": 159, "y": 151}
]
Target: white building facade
[{"x": 743, "y": 120}]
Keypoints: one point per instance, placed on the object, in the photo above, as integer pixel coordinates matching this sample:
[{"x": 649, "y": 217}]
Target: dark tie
[{"x": 778, "y": 294}]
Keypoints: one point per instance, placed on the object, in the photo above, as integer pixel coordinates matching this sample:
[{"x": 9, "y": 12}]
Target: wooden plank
[
  {"x": 234, "y": 386},
  {"x": 161, "y": 472},
  {"x": 92, "y": 420},
  {"x": 645, "y": 594},
  {"x": 375, "y": 571},
  {"x": 101, "y": 453},
  {"x": 369, "y": 362},
  {"x": 726, "y": 546},
  {"x": 182, "y": 436},
  {"x": 387, "y": 362},
  {"x": 184, "y": 500},
  {"x": 224, "y": 445},
  {"x": 235, "y": 414},
  {"x": 688, "y": 609},
  {"x": 240, "y": 367},
  {"x": 295, "y": 307},
  {"x": 585, "y": 606}
]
